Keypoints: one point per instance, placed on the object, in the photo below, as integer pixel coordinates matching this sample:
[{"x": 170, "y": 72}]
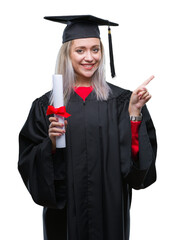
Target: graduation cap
[{"x": 85, "y": 26}]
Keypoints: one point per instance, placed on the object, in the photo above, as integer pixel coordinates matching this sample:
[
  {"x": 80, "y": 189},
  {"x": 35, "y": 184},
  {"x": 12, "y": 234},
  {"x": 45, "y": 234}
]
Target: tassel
[{"x": 111, "y": 53}]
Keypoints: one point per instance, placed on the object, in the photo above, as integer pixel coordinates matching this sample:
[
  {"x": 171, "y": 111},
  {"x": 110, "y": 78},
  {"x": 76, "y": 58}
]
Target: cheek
[
  {"x": 73, "y": 63},
  {"x": 98, "y": 58},
  {"x": 76, "y": 64},
  {"x": 75, "y": 59}
]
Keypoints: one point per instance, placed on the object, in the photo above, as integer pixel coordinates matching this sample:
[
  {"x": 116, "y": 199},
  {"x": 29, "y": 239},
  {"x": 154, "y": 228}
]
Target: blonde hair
[{"x": 64, "y": 67}]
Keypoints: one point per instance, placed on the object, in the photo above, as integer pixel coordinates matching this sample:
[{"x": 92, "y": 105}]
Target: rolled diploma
[{"x": 58, "y": 102}]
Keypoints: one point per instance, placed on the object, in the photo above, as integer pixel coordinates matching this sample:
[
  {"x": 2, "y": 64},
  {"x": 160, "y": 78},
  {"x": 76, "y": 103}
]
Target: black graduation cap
[{"x": 85, "y": 26}]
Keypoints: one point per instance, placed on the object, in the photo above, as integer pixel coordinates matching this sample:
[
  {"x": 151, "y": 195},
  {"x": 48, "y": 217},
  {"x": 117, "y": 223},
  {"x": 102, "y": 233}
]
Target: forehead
[{"x": 85, "y": 42}]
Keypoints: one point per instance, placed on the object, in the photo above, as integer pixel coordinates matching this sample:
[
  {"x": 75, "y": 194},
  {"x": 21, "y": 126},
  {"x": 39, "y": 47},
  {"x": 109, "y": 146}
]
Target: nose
[{"x": 88, "y": 56}]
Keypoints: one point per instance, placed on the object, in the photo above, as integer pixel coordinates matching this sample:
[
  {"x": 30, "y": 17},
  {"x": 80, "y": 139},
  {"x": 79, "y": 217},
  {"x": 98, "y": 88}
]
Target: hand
[
  {"x": 139, "y": 98},
  {"x": 56, "y": 130}
]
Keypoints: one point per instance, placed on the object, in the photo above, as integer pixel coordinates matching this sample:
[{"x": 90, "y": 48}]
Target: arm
[
  {"x": 141, "y": 173},
  {"x": 36, "y": 161},
  {"x": 135, "y": 139}
]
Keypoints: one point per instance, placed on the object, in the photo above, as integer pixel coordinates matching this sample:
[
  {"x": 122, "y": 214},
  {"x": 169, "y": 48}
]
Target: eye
[
  {"x": 96, "y": 50},
  {"x": 80, "y": 51}
]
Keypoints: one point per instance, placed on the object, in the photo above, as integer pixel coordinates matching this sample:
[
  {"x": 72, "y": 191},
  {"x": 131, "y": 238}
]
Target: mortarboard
[{"x": 85, "y": 26}]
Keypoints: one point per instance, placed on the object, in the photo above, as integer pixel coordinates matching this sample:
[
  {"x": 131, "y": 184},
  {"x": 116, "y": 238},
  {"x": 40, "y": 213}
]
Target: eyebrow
[{"x": 85, "y": 46}]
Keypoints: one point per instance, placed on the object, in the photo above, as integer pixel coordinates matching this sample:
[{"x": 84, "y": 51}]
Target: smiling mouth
[{"x": 88, "y": 66}]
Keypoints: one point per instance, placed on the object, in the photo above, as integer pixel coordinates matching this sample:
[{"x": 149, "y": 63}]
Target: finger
[
  {"x": 56, "y": 124},
  {"x": 148, "y": 98},
  {"x": 140, "y": 90},
  {"x": 51, "y": 135},
  {"x": 55, "y": 129},
  {"x": 148, "y": 80},
  {"x": 52, "y": 119},
  {"x": 144, "y": 96},
  {"x": 142, "y": 87},
  {"x": 55, "y": 134}
]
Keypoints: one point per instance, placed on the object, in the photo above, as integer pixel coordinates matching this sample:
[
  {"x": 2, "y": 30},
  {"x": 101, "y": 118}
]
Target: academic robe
[{"x": 86, "y": 187}]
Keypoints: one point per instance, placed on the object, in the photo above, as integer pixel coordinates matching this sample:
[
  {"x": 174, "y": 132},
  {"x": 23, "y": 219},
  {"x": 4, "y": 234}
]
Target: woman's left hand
[{"x": 139, "y": 98}]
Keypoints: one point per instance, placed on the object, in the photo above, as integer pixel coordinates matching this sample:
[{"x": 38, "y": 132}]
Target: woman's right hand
[{"x": 56, "y": 130}]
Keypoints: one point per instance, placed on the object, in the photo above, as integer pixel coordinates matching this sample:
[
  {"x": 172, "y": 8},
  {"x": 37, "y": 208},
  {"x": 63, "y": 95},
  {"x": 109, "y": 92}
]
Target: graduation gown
[{"x": 86, "y": 188}]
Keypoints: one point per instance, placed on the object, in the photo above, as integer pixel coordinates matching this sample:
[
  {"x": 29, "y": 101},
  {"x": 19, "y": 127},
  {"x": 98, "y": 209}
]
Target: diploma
[{"x": 58, "y": 102}]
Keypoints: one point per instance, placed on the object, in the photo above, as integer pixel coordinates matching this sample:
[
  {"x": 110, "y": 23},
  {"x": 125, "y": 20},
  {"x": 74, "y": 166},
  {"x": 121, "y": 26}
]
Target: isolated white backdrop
[{"x": 143, "y": 45}]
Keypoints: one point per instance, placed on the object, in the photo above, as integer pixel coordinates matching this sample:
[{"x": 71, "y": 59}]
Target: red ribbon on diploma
[{"x": 61, "y": 111}]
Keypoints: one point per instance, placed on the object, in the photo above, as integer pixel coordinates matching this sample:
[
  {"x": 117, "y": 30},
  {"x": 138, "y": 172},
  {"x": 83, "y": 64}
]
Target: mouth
[{"x": 88, "y": 66}]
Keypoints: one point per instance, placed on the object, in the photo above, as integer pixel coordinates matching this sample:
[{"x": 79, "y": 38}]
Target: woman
[{"x": 86, "y": 188}]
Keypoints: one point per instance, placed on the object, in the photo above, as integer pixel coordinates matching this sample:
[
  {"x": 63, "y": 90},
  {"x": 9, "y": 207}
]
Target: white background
[{"x": 143, "y": 45}]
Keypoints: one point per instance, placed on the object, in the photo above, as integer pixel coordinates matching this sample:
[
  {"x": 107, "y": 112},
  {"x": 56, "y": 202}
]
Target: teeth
[{"x": 88, "y": 65}]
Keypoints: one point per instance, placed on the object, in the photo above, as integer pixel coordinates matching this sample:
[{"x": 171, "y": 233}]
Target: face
[{"x": 85, "y": 55}]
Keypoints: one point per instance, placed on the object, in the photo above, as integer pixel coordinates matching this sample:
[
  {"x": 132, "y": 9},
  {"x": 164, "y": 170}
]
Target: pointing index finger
[{"x": 148, "y": 80}]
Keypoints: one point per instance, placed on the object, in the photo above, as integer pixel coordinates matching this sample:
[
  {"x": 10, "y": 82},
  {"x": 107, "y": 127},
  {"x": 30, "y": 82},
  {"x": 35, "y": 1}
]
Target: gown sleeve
[
  {"x": 36, "y": 161},
  {"x": 139, "y": 173},
  {"x": 135, "y": 139}
]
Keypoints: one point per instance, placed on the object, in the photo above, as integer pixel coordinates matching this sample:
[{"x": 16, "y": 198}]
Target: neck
[{"x": 83, "y": 82}]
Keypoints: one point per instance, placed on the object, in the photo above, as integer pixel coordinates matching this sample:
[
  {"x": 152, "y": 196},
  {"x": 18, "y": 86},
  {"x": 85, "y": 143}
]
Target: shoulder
[
  {"x": 43, "y": 100},
  {"x": 39, "y": 106},
  {"x": 119, "y": 93},
  {"x": 36, "y": 124}
]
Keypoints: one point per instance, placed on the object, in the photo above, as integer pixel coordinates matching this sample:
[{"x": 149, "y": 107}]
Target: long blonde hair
[{"x": 64, "y": 67}]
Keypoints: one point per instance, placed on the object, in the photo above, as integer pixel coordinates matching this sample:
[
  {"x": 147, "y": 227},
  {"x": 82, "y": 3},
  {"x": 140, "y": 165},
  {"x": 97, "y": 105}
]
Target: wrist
[
  {"x": 134, "y": 111},
  {"x": 136, "y": 118},
  {"x": 53, "y": 147}
]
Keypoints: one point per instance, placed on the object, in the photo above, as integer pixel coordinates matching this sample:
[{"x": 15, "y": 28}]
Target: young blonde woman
[{"x": 86, "y": 187}]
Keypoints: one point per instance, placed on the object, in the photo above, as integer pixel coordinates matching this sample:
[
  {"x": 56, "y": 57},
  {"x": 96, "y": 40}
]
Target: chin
[{"x": 89, "y": 74}]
